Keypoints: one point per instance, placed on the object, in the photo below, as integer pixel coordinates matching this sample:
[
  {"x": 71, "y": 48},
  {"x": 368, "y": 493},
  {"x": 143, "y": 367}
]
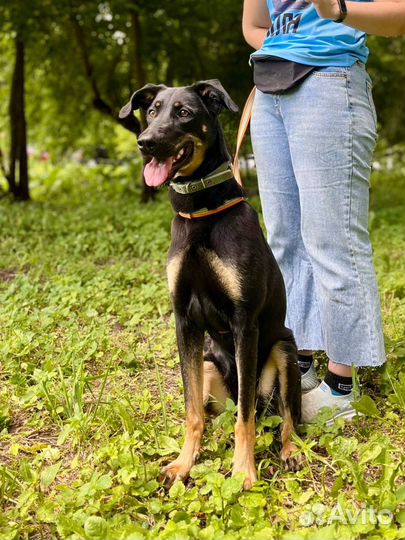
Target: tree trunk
[
  {"x": 18, "y": 127},
  {"x": 130, "y": 123},
  {"x": 99, "y": 103}
]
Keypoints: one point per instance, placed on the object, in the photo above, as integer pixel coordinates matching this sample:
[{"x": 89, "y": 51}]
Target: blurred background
[{"x": 68, "y": 66}]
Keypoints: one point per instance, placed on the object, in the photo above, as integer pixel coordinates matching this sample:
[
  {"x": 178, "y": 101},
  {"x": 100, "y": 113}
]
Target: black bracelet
[{"x": 343, "y": 11}]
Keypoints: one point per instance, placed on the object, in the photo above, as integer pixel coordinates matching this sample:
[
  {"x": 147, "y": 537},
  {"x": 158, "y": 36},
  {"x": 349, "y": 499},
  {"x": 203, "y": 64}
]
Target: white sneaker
[
  {"x": 309, "y": 380},
  {"x": 322, "y": 396}
]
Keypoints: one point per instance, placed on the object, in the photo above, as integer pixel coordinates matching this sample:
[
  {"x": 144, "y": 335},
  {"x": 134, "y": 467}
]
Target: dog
[{"x": 227, "y": 291}]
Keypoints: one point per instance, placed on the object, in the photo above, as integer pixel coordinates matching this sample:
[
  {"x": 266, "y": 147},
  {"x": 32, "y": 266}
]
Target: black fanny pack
[{"x": 274, "y": 75}]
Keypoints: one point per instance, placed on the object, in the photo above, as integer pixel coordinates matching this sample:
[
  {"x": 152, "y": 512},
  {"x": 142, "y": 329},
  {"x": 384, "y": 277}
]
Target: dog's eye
[
  {"x": 184, "y": 113},
  {"x": 152, "y": 113}
]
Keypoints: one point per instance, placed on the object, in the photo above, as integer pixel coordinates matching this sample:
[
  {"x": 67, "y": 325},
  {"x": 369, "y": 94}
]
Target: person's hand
[{"x": 327, "y": 9}]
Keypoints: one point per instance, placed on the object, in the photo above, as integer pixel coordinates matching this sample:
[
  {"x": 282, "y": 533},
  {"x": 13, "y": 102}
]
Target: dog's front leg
[
  {"x": 190, "y": 344},
  {"x": 246, "y": 339}
]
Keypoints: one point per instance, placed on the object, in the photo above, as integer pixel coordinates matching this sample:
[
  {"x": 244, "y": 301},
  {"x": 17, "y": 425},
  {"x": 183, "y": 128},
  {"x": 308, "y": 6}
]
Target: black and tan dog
[{"x": 223, "y": 278}]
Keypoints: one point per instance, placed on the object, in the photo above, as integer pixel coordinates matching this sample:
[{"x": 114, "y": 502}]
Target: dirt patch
[{"x": 7, "y": 275}]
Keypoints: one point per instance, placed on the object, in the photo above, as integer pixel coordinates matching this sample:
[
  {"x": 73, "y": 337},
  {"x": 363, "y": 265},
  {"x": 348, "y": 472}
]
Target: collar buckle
[{"x": 221, "y": 174}]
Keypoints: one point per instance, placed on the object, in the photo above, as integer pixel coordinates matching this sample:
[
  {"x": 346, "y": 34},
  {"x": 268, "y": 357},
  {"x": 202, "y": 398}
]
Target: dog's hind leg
[
  {"x": 266, "y": 386},
  {"x": 215, "y": 392},
  {"x": 220, "y": 378},
  {"x": 284, "y": 354},
  {"x": 190, "y": 344}
]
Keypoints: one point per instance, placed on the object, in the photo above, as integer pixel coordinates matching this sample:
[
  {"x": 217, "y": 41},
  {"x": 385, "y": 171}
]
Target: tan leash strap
[{"x": 243, "y": 125}]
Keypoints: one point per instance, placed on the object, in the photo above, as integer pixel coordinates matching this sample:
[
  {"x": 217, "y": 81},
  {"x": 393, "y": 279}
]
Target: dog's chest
[{"x": 202, "y": 272}]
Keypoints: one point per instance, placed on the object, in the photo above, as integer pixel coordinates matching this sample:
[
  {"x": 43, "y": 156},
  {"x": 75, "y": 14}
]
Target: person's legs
[
  {"x": 330, "y": 124},
  {"x": 281, "y": 211}
]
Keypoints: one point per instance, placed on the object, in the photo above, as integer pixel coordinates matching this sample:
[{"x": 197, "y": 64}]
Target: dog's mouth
[{"x": 158, "y": 171}]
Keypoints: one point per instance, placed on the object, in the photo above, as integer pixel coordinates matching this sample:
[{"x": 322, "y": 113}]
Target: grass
[{"x": 91, "y": 399}]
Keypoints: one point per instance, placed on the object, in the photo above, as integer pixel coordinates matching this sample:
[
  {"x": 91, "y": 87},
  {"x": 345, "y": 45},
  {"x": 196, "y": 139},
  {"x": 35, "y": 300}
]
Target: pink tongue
[{"x": 156, "y": 172}]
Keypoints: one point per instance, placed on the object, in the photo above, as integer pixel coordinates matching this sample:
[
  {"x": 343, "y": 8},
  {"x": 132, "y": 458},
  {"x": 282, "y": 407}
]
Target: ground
[{"x": 91, "y": 400}]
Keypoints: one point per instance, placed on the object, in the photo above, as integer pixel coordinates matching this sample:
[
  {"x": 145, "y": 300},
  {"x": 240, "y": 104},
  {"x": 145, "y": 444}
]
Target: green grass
[{"x": 91, "y": 399}]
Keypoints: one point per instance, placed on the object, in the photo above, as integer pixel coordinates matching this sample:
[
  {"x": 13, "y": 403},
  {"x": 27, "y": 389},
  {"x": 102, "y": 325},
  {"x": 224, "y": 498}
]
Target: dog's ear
[
  {"x": 214, "y": 96},
  {"x": 142, "y": 98}
]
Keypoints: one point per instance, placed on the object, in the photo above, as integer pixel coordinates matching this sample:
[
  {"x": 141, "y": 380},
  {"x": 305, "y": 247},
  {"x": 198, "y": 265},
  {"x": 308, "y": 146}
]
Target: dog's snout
[{"x": 146, "y": 144}]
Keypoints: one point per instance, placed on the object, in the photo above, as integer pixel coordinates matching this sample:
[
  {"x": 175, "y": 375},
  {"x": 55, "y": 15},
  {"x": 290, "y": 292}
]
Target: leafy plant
[{"x": 91, "y": 402}]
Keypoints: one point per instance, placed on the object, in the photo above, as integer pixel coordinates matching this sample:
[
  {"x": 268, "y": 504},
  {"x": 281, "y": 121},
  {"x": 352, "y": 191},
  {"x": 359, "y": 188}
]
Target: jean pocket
[{"x": 332, "y": 72}]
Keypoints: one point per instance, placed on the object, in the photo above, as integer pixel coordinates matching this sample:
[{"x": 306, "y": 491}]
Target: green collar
[{"x": 221, "y": 174}]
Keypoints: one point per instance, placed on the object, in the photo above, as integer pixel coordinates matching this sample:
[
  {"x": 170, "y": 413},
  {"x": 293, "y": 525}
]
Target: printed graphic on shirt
[
  {"x": 286, "y": 16},
  {"x": 291, "y": 5}
]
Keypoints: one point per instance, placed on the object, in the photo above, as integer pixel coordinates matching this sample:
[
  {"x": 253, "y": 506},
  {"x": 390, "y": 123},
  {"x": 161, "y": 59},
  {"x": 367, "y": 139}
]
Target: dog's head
[{"x": 182, "y": 125}]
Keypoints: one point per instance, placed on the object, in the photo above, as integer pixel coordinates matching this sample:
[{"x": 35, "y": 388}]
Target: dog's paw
[
  {"x": 292, "y": 459},
  {"x": 173, "y": 472},
  {"x": 250, "y": 476},
  {"x": 293, "y": 464}
]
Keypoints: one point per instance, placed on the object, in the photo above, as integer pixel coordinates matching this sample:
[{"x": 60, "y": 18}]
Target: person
[{"x": 313, "y": 131}]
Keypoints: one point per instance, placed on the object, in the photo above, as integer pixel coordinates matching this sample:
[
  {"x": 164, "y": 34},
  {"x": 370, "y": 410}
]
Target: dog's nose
[{"x": 146, "y": 144}]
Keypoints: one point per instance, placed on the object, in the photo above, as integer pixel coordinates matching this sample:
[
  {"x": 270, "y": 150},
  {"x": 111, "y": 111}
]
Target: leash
[{"x": 243, "y": 125}]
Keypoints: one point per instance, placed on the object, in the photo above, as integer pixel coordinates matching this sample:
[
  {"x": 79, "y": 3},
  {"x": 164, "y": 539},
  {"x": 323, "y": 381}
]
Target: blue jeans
[{"x": 313, "y": 148}]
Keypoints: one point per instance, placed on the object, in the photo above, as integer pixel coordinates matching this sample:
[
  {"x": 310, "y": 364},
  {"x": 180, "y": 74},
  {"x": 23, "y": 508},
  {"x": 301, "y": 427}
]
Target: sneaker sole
[
  {"x": 306, "y": 390},
  {"x": 309, "y": 383}
]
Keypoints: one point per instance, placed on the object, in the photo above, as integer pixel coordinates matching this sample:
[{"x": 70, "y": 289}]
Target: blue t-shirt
[{"x": 298, "y": 33}]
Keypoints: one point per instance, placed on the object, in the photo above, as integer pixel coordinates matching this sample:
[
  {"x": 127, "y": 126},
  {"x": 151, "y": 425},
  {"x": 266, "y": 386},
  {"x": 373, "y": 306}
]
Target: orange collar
[{"x": 204, "y": 212}]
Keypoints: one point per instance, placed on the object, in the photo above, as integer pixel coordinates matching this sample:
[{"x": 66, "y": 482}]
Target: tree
[
  {"x": 16, "y": 171},
  {"x": 76, "y": 63}
]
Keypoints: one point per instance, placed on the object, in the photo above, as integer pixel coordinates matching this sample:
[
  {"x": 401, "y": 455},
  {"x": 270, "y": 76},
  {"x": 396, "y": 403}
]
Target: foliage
[
  {"x": 388, "y": 77},
  {"x": 83, "y": 58},
  {"x": 70, "y": 79},
  {"x": 91, "y": 404}
]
